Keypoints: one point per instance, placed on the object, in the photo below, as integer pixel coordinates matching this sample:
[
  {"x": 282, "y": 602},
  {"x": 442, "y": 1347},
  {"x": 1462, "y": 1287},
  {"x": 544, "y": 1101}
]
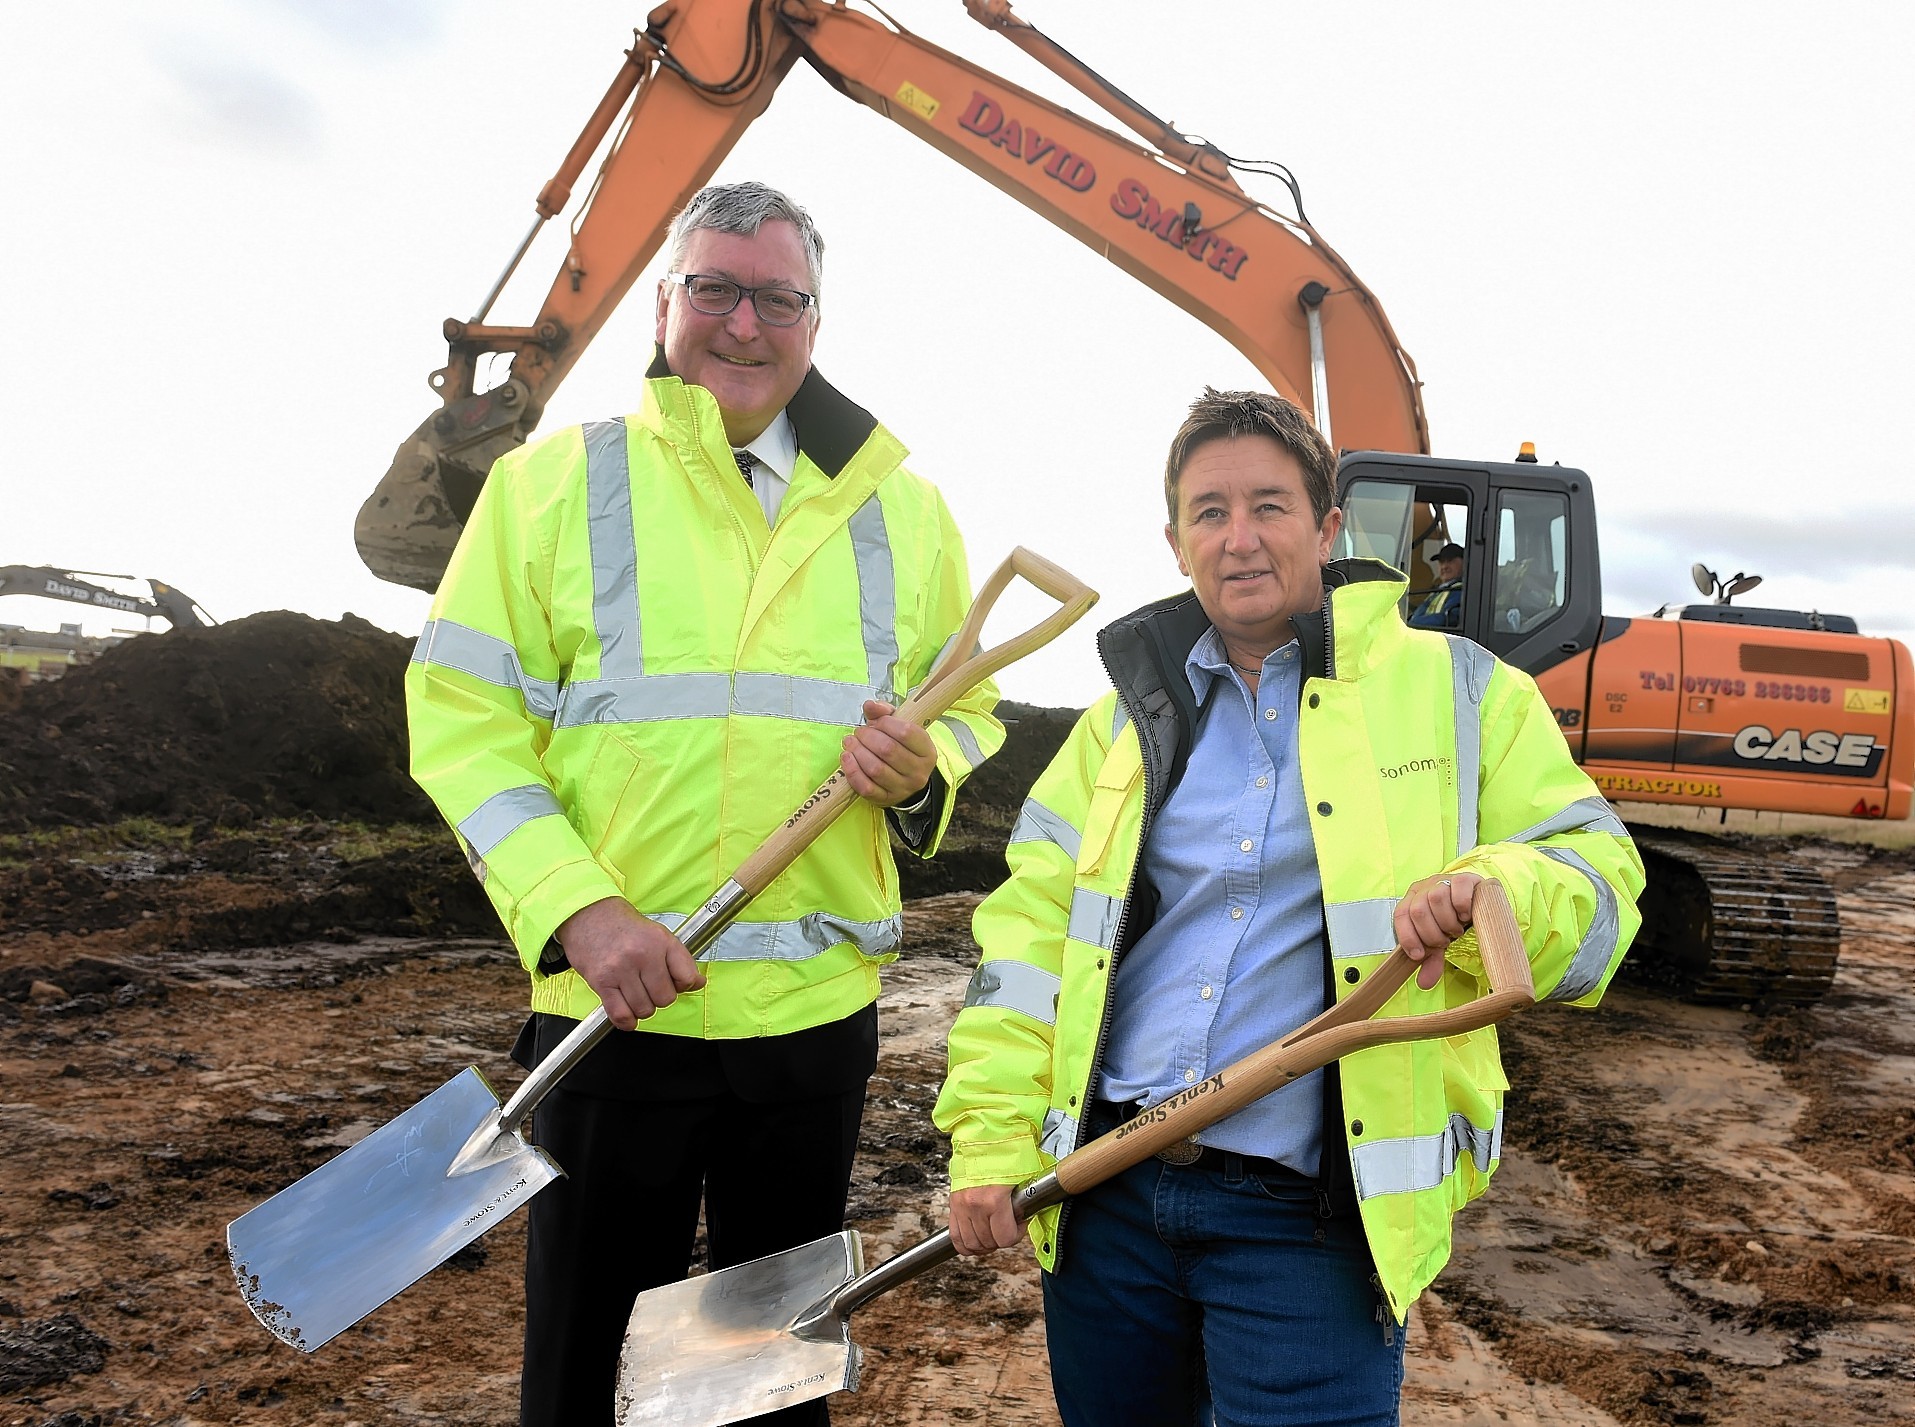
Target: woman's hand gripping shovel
[
  {"x": 320, "y": 1255},
  {"x": 777, "y": 1331}
]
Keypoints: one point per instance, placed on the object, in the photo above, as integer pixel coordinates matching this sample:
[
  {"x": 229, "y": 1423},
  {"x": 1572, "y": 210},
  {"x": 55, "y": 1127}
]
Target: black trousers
[{"x": 771, "y": 1175}]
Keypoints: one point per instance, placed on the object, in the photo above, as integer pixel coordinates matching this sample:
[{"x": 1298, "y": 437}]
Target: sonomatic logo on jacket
[{"x": 1414, "y": 765}]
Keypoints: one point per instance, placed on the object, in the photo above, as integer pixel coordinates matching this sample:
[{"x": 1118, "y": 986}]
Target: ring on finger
[{"x": 1443, "y": 881}]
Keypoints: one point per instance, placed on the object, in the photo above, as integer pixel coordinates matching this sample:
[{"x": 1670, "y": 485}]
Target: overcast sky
[{"x": 1669, "y": 243}]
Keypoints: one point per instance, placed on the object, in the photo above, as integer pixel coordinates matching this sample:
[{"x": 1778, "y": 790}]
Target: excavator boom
[
  {"x": 166, "y": 603},
  {"x": 1166, "y": 211}
]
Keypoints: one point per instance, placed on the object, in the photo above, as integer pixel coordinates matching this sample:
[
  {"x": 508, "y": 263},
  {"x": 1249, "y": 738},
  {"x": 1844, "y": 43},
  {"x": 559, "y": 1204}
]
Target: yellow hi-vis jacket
[
  {"x": 628, "y": 682},
  {"x": 1421, "y": 753}
]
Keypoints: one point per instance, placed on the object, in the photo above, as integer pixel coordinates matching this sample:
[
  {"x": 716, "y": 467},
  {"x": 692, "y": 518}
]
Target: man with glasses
[{"x": 657, "y": 636}]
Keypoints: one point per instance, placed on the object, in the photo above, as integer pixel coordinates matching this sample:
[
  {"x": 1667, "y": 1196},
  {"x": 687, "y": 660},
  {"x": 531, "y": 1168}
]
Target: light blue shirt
[{"x": 1235, "y": 958}]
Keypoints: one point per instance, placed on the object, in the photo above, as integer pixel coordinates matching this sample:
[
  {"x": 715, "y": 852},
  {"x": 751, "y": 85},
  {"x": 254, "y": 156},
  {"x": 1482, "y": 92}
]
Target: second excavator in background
[
  {"x": 1721, "y": 707},
  {"x": 178, "y": 610}
]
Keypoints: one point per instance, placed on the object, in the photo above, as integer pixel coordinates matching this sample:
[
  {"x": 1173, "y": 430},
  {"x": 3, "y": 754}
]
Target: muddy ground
[{"x": 1704, "y": 1215}]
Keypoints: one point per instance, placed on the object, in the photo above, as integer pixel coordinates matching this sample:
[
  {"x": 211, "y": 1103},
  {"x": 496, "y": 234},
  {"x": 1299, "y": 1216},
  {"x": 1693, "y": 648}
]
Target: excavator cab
[
  {"x": 1531, "y": 588},
  {"x": 1725, "y": 706}
]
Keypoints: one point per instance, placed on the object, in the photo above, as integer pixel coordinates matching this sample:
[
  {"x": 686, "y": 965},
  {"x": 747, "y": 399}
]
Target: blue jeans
[{"x": 1184, "y": 1293}]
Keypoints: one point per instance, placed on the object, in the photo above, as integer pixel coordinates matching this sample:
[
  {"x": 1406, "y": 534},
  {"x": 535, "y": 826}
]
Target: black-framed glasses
[{"x": 715, "y": 296}]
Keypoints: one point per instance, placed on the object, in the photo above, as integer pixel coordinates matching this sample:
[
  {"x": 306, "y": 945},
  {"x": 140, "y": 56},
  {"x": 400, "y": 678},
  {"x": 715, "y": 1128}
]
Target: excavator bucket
[{"x": 407, "y": 527}]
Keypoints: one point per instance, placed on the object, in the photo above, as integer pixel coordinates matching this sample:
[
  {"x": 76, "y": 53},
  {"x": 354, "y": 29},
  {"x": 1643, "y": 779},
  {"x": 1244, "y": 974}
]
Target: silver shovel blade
[
  {"x": 322, "y": 1254},
  {"x": 742, "y": 1341}
]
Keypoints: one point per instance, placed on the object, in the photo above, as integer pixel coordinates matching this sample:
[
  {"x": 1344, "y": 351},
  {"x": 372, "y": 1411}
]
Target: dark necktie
[{"x": 745, "y": 462}]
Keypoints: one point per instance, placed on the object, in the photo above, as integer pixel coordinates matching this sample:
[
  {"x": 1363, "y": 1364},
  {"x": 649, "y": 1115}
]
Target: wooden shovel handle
[
  {"x": 952, "y": 677},
  {"x": 1342, "y": 1030},
  {"x": 1339, "y": 1031}
]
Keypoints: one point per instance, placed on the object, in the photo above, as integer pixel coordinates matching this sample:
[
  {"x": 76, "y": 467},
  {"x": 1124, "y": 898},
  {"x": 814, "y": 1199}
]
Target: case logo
[{"x": 1851, "y": 754}]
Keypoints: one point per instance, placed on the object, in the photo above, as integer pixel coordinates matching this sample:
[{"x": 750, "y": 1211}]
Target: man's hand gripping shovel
[
  {"x": 320, "y": 1255},
  {"x": 777, "y": 1331}
]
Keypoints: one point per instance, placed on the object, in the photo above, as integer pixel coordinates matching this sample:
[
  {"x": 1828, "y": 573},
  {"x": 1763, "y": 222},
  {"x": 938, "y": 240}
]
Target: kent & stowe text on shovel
[
  {"x": 777, "y": 1331},
  {"x": 320, "y": 1255}
]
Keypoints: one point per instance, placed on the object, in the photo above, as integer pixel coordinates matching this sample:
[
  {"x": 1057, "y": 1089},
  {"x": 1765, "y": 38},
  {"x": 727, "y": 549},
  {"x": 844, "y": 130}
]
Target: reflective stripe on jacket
[
  {"x": 628, "y": 682},
  {"x": 1421, "y": 753}
]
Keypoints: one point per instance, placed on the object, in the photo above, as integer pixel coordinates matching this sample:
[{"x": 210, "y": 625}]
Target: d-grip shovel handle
[
  {"x": 1342, "y": 1030},
  {"x": 947, "y": 682},
  {"x": 950, "y": 679}
]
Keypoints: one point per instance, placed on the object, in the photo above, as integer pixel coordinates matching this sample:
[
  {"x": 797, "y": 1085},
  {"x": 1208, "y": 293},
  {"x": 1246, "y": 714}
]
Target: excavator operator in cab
[
  {"x": 1442, "y": 608},
  {"x": 656, "y": 635},
  {"x": 1301, "y": 817}
]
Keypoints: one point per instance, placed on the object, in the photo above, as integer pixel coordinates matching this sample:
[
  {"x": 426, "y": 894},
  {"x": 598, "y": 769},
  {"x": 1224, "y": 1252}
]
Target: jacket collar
[
  {"x": 1353, "y": 631},
  {"x": 830, "y": 427},
  {"x": 1356, "y": 629}
]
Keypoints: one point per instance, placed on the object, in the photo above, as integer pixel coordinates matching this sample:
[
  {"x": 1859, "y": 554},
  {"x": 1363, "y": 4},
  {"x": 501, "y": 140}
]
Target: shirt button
[
  {"x": 1189, "y": 1075},
  {"x": 1269, "y": 715},
  {"x": 1205, "y": 993},
  {"x": 1236, "y": 914},
  {"x": 1262, "y": 782},
  {"x": 1245, "y": 845}
]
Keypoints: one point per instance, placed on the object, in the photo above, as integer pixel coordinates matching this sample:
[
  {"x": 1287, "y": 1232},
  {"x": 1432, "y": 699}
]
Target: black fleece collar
[
  {"x": 830, "y": 426},
  {"x": 1165, "y": 631}
]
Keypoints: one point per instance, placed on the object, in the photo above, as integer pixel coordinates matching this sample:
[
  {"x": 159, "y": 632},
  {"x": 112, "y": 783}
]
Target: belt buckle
[{"x": 1184, "y": 1151}]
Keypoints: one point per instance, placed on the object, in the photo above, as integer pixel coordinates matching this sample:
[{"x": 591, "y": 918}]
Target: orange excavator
[{"x": 1722, "y": 706}]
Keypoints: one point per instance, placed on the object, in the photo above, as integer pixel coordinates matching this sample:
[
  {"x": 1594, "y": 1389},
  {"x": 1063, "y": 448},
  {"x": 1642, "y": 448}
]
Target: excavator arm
[
  {"x": 1166, "y": 211},
  {"x": 167, "y": 603}
]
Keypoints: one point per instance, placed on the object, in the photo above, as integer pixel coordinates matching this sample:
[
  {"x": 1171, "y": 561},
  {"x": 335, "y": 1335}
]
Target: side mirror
[
  {"x": 1704, "y": 577},
  {"x": 1740, "y": 585}
]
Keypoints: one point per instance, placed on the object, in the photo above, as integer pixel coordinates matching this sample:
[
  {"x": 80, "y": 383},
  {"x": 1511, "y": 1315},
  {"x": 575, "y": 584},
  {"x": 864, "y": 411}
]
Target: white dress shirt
[{"x": 776, "y": 449}]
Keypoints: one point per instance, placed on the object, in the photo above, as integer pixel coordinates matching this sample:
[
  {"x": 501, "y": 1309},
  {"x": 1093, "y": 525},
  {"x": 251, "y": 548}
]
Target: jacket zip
[
  {"x": 1116, "y": 942},
  {"x": 1383, "y": 1313},
  {"x": 1123, "y": 918}
]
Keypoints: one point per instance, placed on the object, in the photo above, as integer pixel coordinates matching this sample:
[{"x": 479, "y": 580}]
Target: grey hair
[{"x": 742, "y": 208}]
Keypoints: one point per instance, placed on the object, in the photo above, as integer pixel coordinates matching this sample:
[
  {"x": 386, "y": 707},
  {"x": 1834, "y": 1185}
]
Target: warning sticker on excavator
[
  {"x": 1865, "y": 701},
  {"x": 916, "y": 100}
]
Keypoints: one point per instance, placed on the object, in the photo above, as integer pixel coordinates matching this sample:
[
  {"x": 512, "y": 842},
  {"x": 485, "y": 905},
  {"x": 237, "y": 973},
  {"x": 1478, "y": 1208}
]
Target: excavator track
[{"x": 1728, "y": 924}]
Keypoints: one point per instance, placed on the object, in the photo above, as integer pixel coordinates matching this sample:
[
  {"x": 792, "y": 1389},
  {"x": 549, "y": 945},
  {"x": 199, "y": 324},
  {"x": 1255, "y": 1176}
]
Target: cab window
[
  {"x": 1531, "y": 568},
  {"x": 1406, "y": 527}
]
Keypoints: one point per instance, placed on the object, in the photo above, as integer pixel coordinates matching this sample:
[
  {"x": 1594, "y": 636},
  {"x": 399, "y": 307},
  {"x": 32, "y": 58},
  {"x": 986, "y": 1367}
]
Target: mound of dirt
[
  {"x": 283, "y": 716},
  {"x": 1032, "y": 737},
  {"x": 275, "y": 715}
]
